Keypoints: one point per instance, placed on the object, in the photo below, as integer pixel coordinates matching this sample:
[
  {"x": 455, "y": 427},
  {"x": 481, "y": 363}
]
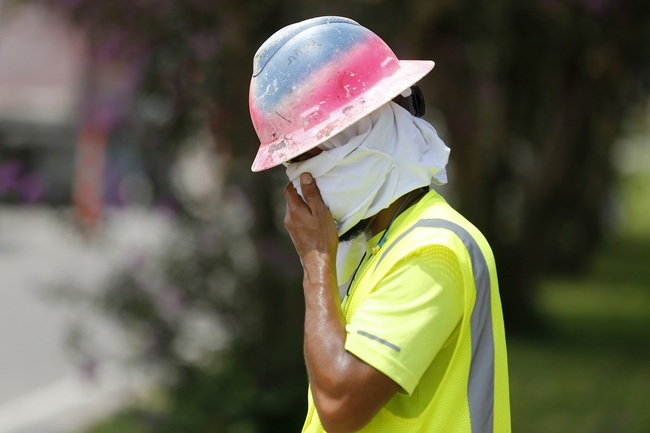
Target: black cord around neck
[{"x": 381, "y": 242}]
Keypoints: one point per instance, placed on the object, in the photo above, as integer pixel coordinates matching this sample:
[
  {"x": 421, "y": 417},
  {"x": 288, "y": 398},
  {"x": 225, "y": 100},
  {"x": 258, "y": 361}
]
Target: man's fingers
[
  {"x": 289, "y": 191},
  {"x": 291, "y": 195},
  {"x": 293, "y": 199}
]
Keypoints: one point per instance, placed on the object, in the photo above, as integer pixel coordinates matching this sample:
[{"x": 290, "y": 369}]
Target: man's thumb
[
  {"x": 306, "y": 178},
  {"x": 308, "y": 186}
]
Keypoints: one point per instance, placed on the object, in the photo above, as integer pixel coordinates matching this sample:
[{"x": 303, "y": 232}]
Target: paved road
[{"x": 41, "y": 389}]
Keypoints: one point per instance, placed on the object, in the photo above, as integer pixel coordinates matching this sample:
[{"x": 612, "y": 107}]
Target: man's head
[
  {"x": 313, "y": 79},
  {"x": 328, "y": 97}
]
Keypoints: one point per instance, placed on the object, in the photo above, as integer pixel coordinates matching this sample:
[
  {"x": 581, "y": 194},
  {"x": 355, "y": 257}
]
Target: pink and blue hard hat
[{"x": 313, "y": 79}]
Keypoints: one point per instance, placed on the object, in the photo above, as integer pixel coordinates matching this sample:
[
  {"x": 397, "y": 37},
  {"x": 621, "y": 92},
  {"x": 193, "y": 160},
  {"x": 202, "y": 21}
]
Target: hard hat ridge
[{"x": 282, "y": 36}]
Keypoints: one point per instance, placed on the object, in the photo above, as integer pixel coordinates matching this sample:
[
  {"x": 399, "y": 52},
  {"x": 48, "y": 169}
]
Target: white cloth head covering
[{"x": 373, "y": 162}]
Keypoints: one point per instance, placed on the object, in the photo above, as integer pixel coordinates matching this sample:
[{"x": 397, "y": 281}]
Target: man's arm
[{"x": 347, "y": 392}]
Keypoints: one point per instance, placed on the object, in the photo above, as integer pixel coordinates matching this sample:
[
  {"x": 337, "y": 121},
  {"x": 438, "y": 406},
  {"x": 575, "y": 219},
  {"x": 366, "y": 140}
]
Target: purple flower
[
  {"x": 171, "y": 304},
  {"x": 89, "y": 368},
  {"x": 32, "y": 187},
  {"x": 9, "y": 175}
]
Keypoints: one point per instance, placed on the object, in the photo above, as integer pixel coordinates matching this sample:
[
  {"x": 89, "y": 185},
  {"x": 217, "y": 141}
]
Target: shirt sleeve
[{"x": 407, "y": 318}]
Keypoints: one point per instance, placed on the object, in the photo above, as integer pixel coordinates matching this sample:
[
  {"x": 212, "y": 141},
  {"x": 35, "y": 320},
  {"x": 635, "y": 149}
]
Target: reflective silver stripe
[
  {"x": 480, "y": 389},
  {"x": 380, "y": 340}
]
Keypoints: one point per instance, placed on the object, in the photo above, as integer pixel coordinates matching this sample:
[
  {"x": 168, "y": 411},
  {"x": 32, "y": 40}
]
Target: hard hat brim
[{"x": 286, "y": 148}]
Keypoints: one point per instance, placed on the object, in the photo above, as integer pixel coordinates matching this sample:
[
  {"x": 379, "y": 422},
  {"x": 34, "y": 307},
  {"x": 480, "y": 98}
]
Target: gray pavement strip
[{"x": 40, "y": 390}]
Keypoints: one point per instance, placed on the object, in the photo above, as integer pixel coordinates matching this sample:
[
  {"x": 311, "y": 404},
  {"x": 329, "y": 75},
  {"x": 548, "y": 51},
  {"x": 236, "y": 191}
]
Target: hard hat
[{"x": 314, "y": 78}]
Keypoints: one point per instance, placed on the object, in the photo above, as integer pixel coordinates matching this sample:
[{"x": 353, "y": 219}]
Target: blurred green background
[{"x": 545, "y": 107}]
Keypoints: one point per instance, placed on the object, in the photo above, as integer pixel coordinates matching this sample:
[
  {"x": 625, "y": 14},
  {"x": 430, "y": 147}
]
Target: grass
[{"x": 592, "y": 373}]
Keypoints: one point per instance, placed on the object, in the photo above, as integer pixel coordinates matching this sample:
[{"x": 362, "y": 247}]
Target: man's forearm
[
  {"x": 347, "y": 392},
  {"x": 324, "y": 324},
  {"x": 325, "y": 355}
]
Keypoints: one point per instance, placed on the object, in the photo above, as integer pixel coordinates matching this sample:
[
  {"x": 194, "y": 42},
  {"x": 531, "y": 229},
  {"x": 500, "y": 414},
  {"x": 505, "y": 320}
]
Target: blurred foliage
[
  {"x": 590, "y": 375},
  {"x": 531, "y": 97}
]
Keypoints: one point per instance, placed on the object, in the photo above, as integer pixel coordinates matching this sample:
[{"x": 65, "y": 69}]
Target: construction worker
[{"x": 404, "y": 334}]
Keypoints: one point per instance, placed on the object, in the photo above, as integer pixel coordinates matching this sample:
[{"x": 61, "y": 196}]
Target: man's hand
[{"x": 309, "y": 222}]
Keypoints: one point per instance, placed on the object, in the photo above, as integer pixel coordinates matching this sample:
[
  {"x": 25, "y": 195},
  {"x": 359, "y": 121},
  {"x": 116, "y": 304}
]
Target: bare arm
[{"x": 347, "y": 391}]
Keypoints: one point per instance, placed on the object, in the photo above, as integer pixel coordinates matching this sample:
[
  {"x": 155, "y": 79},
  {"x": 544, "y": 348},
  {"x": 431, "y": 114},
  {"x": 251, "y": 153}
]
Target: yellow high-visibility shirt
[{"x": 425, "y": 311}]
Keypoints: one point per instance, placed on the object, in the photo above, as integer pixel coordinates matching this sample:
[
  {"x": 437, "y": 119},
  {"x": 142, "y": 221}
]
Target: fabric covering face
[{"x": 373, "y": 162}]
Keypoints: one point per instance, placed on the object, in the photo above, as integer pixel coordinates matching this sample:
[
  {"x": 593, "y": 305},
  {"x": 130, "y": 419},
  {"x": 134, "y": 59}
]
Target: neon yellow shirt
[{"x": 425, "y": 311}]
